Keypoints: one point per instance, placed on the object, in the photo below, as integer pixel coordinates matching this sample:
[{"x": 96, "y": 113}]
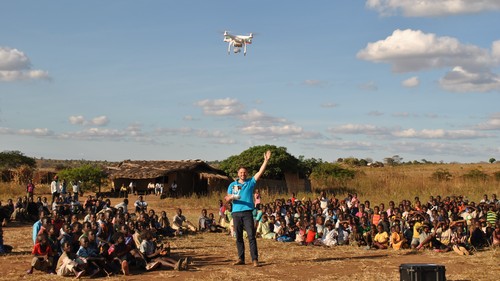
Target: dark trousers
[{"x": 244, "y": 220}]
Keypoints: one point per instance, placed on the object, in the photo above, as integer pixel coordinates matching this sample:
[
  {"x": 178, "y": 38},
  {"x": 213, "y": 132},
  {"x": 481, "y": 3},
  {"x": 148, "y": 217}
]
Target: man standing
[
  {"x": 54, "y": 189},
  {"x": 241, "y": 193}
]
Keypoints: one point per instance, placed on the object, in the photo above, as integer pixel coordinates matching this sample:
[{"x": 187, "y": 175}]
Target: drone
[{"x": 238, "y": 42}]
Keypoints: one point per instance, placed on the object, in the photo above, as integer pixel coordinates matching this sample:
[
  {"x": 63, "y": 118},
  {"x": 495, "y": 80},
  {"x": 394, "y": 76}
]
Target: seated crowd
[
  {"x": 441, "y": 223},
  {"x": 94, "y": 238}
]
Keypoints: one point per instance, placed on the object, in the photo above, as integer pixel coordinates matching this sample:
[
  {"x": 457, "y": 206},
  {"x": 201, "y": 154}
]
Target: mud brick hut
[{"x": 191, "y": 176}]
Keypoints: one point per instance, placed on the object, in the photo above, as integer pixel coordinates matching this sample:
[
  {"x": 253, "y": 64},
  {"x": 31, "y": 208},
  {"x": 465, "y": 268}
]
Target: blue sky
[{"x": 114, "y": 80}]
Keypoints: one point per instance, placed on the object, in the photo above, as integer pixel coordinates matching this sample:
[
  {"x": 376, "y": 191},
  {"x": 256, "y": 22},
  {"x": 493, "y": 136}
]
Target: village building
[{"x": 190, "y": 176}]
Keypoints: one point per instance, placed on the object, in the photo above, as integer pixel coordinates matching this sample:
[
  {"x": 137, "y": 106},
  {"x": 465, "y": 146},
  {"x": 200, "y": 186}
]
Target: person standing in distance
[{"x": 241, "y": 193}]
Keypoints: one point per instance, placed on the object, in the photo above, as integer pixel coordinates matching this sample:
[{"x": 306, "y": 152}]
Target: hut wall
[
  {"x": 216, "y": 185},
  {"x": 294, "y": 183},
  {"x": 272, "y": 186}
]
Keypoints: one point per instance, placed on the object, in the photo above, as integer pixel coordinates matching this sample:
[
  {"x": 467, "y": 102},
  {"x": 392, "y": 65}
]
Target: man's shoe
[
  {"x": 239, "y": 262},
  {"x": 256, "y": 263},
  {"x": 178, "y": 265}
]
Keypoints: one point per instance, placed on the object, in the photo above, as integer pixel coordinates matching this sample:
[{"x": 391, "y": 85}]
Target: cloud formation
[
  {"x": 411, "y": 82},
  {"x": 413, "y": 50},
  {"x": 220, "y": 107},
  {"x": 96, "y": 121},
  {"x": 15, "y": 65},
  {"x": 431, "y": 8},
  {"x": 372, "y": 130},
  {"x": 461, "y": 80}
]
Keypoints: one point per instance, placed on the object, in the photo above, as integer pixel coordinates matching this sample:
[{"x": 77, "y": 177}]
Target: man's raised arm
[{"x": 267, "y": 155}]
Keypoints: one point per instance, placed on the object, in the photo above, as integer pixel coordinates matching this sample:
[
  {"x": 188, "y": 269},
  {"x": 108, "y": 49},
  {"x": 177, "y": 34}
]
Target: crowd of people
[
  {"x": 100, "y": 239},
  {"x": 440, "y": 223},
  {"x": 92, "y": 237}
]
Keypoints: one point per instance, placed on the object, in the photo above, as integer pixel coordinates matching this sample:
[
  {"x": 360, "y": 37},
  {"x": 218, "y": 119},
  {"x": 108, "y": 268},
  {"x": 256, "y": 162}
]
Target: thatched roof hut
[{"x": 191, "y": 176}]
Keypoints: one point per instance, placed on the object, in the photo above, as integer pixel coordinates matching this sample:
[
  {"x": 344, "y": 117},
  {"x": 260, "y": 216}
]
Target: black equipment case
[{"x": 421, "y": 272}]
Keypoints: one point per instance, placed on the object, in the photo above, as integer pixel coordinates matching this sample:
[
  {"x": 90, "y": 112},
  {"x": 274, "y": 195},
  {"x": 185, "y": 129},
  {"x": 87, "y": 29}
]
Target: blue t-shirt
[{"x": 245, "y": 203}]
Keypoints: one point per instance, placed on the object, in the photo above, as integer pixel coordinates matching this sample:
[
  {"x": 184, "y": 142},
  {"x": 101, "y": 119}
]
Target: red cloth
[
  {"x": 39, "y": 250},
  {"x": 311, "y": 236}
]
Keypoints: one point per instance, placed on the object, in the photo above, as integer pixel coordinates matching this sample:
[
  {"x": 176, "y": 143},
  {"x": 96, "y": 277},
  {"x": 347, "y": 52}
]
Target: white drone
[{"x": 238, "y": 42}]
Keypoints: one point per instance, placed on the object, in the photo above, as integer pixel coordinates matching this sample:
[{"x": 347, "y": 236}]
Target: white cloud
[
  {"x": 37, "y": 132},
  {"x": 221, "y": 107},
  {"x": 256, "y": 116},
  {"x": 429, "y": 8},
  {"x": 359, "y": 129},
  {"x": 13, "y": 60},
  {"x": 439, "y": 134},
  {"x": 413, "y": 50},
  {"x": 77, "y": 120},
  {"x": 493, "y": 123},
  {"x": 434, "y": 148},
  {"x": 461, "y": 80},
  {"x": 411, "y": 82},
  {"x": 348, "y": 145},
  {"x": 372, "y": 130},
  {"x": 96, "y": 121},
  {"x": 210, "y": 133},
  {"x": 401, "y": 114},
  {"x": 224, "y": 141},
  {"x": 100, "y": 120},
  {"x": 42, "y": 132},
  {"x": 15, "y": 65},
  {"x": 272, "y": 131}
]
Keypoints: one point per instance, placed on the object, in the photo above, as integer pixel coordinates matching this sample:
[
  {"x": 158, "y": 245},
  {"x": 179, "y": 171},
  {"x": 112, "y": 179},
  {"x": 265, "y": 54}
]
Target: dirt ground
[{"x": 214, "y": 253}]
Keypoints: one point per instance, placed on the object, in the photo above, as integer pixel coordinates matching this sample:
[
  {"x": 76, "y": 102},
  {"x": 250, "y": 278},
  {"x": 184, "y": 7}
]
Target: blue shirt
[
  {"x": 36, "y": 228},
  {"x": 245, "y": 203}
]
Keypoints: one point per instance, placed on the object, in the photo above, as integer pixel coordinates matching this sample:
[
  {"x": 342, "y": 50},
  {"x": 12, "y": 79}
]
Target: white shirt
[
  {"x": 76, "y": 188},
  {"x": 54, "y": 187},
  {"x": 123, "y": 206}
]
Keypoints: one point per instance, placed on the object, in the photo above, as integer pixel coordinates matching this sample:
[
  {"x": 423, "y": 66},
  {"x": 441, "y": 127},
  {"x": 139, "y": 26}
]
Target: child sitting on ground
[
  {"x": 264, "y": 230},
  {"x": 42, "y": 255},
  {"x": 66, "y": 265},
  {"x": 381, "y": 239},
  {"x": 87, "y": 257},
  {"x": 157, "y": 256}
]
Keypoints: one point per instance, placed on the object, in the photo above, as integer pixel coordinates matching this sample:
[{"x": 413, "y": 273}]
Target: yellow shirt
[
  {"x": 382, "y": 238},
  {"x": 416, "y": 227}
]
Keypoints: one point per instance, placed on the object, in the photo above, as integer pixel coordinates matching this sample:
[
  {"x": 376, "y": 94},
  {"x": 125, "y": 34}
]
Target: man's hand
[{"x": 267, "y": 155}]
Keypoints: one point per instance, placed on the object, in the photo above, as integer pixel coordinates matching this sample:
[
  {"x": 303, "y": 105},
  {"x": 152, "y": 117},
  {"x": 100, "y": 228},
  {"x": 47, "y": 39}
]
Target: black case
[{"x": 422, "y": 272}]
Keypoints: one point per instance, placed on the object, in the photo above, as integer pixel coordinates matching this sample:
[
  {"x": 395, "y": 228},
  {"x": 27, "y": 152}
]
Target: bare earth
[{"x": 214, "y": 253}]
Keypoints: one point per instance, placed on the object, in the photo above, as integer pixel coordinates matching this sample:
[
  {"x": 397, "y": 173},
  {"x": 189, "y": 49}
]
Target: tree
[
  {"x": 281, "y": 161},
  {"x": 306, "y": 166},
  {"x": 15, "y": 159},
  {"x": 441, "y": 175},
  {"x": 492, "y": 160},
  {"x": 393, "y": 161},
  {"x": 331, "y": 175},
  {"x": 89, "y": 176}
]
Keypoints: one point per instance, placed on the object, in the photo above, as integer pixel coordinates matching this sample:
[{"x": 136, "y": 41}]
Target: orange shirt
[
  {"x": 311, "y": 235},
  {"x": 375, "y": 219}
]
